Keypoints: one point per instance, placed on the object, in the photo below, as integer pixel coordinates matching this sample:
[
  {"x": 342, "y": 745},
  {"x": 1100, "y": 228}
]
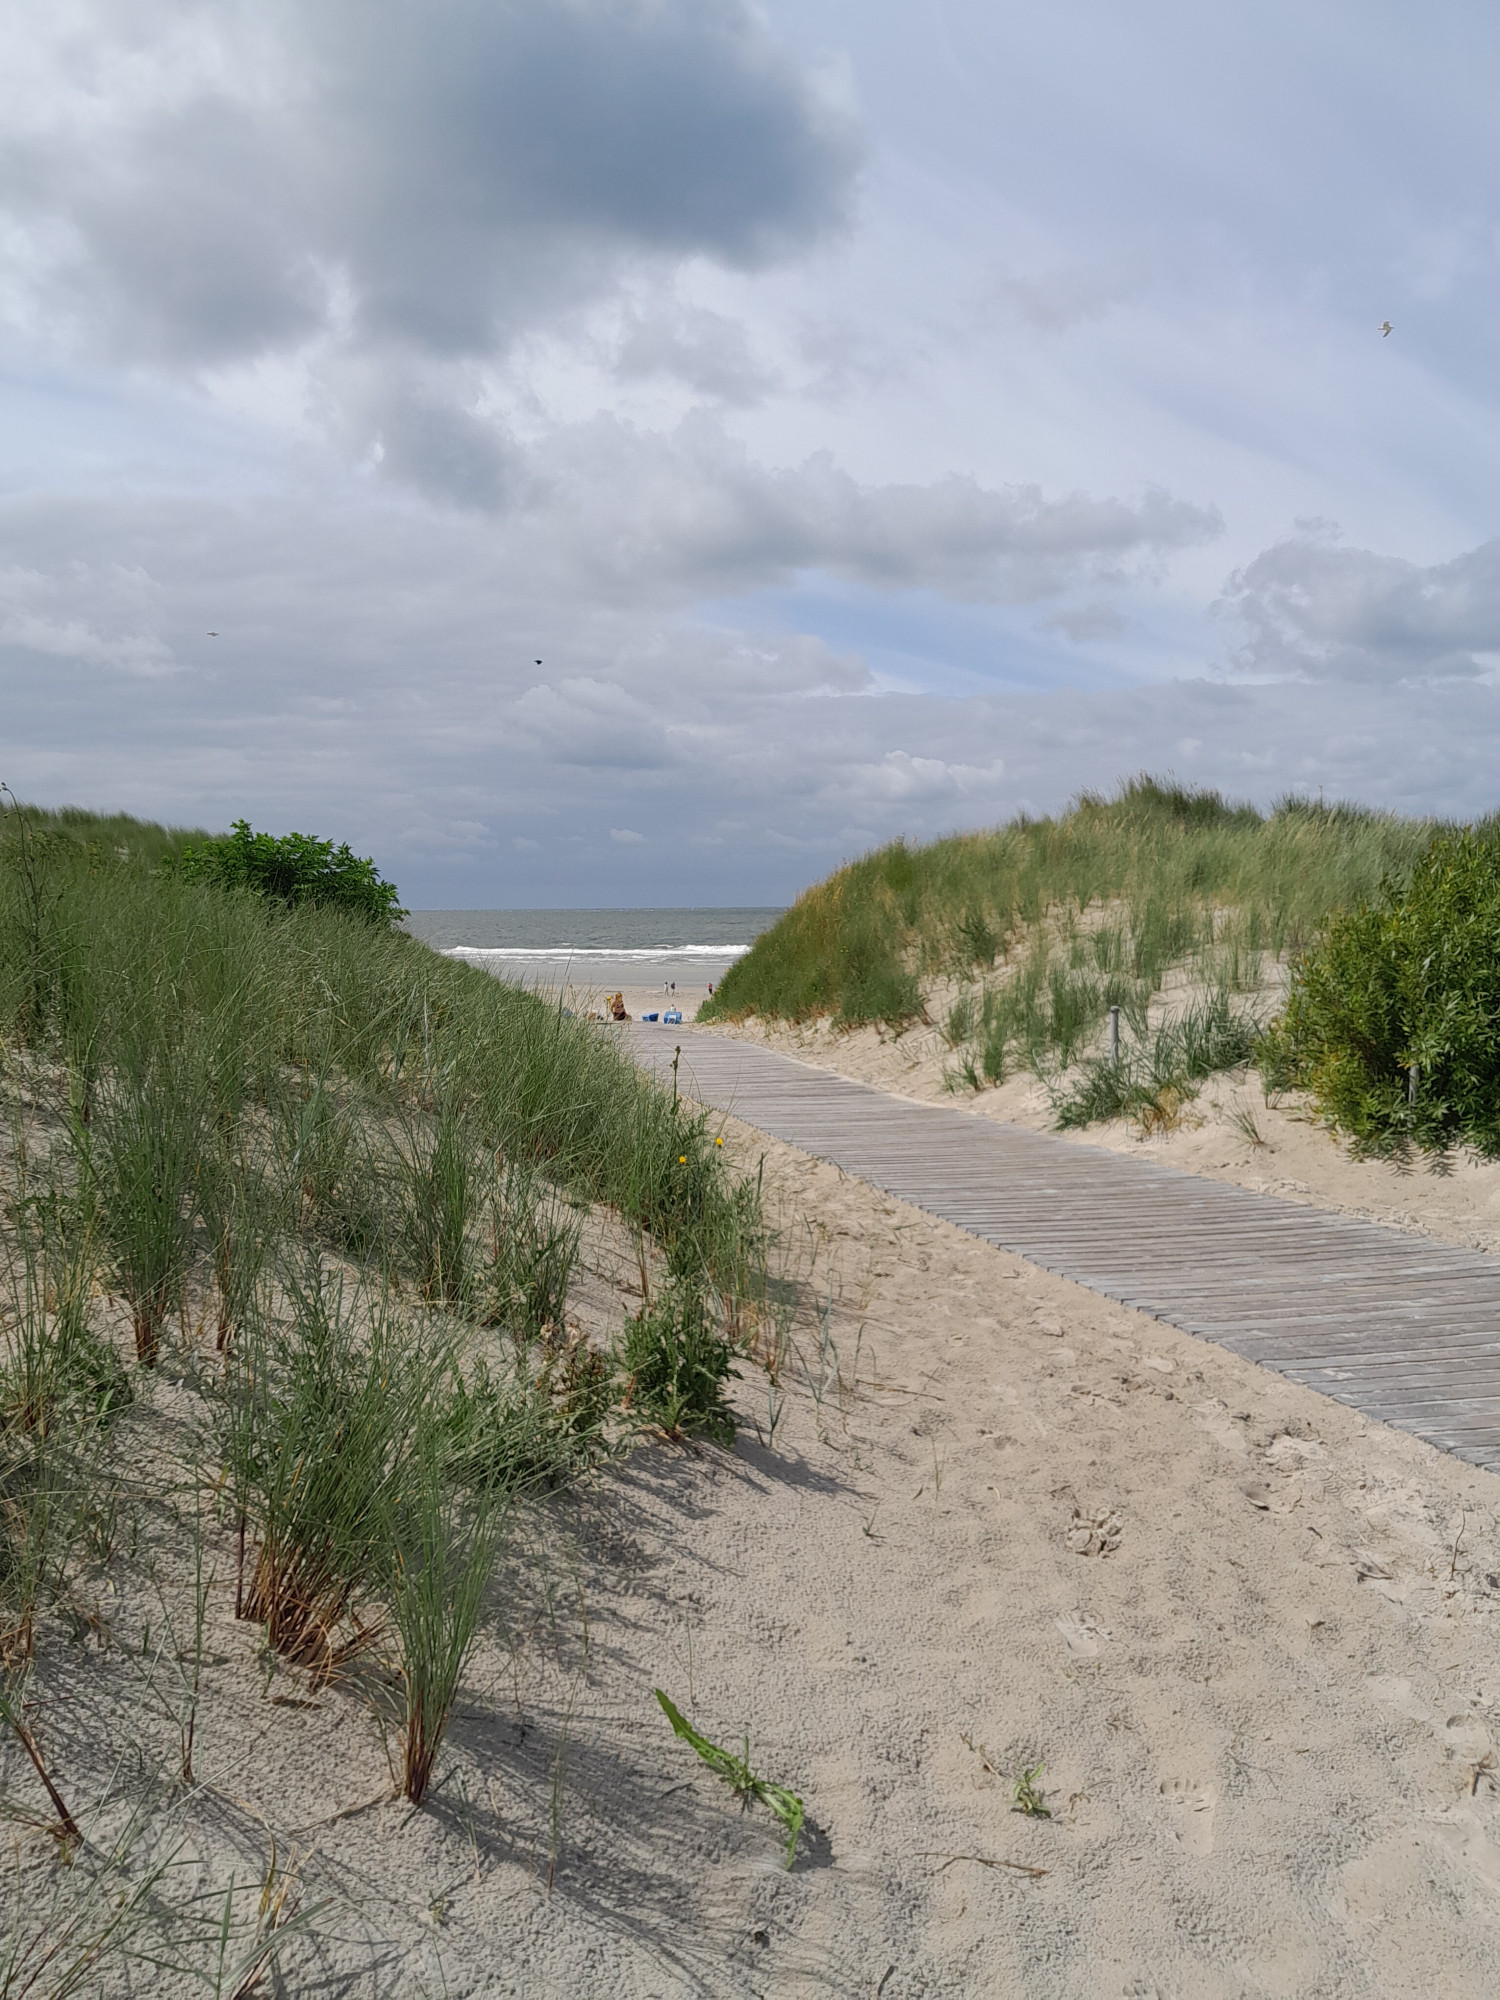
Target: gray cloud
[
  {"x": 705, "y": 350},
  {"x": 694, "y": 510},
  {"x": 1088, "y": 621},
  {"x": 1322, "y": 612},
  {"x": 1053, "y": 301},
  {"x": 424, "y": 435},
  {"x": 429, "y": 174},
  {"x": 375, "y": 678}
]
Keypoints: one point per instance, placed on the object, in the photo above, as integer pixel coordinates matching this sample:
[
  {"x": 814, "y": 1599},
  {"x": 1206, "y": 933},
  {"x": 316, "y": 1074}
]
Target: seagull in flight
[
  {"x": 213, "y": 635},
  {"x": 1385, "y": 328}
]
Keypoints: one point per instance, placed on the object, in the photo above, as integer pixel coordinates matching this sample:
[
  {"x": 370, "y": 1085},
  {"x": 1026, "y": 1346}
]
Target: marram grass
[
  {"x": 321, "y": 1168},
  {"x": 1159, "y": 860}
]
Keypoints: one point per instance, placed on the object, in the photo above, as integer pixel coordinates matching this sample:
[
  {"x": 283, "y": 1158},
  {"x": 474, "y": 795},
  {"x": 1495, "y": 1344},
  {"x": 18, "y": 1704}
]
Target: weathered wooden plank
[{"x": 1393, "y": 1324}]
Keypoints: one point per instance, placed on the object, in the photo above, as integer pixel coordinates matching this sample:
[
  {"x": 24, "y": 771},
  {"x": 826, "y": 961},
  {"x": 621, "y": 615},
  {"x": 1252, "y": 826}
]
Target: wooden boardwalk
[{"x": 1405, "y": 1329}]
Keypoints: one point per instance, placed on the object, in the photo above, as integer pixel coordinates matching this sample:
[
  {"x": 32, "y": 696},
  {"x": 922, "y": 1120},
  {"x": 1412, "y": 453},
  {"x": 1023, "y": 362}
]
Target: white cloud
[
  {"x": 39, "y": 613},
  {"x": 707, "y": 351},
  {"x": 626, "y": 836},
  {"x": 692, "y": 509},
  {"x": 1322, "y": 612}
]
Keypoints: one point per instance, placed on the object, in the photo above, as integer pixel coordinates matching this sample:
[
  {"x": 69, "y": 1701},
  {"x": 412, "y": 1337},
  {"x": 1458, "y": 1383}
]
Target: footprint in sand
[{"x": 1190, "y": 1807}]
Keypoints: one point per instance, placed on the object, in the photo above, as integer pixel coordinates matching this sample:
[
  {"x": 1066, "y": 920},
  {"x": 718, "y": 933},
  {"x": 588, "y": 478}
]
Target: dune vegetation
[
  {"x": 273, "y": 1159},
  {"x": 1186, "y": 912},
  {"x": 1392, "y": 1024}
]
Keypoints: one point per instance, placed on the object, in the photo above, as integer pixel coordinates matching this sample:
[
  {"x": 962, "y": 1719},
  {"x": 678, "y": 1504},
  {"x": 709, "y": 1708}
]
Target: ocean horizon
[
  {"x": 689, "y": 931},
  {"x": 588, "y": 948}
]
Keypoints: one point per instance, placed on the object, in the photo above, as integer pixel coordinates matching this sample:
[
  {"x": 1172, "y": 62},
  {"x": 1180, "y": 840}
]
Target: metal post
[
  {"x": 1411, "y": 1082},
  {"x": 1114, "y": 1034}
]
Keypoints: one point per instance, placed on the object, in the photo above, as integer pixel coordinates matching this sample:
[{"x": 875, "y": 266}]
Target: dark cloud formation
[
  {"x": 428, "y": 175},
  {"x": 1323, "y": 612}
]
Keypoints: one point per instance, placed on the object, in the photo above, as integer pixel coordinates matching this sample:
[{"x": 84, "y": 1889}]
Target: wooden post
[{"x": 1114, "y": 1034}]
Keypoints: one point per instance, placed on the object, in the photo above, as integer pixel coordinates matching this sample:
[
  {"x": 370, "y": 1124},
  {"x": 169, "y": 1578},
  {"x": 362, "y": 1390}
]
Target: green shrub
[
  {"x": 508, "y": 1436},
  {"x": 293, "y": 869},
  {"x": 677, "y": 1364},
  {"x": 1393, "y": 1021}
]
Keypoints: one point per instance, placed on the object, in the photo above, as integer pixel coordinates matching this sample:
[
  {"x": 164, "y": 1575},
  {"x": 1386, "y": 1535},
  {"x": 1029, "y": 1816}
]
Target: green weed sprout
[
  {"x": 737, "y": 1774},
  {"x": 1030, "y": 1798}
]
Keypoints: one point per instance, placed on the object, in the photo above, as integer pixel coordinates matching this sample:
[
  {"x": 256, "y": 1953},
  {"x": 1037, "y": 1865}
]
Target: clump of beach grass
[
  {"x": 533, "y": 1248},
  {"x": 444, "y": 1543},
  {"x": 320, "y": 1420},
  {"x": 1153, "y": 1079}
]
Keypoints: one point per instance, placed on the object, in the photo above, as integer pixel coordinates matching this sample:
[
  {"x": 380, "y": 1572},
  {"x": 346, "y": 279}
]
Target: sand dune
[{"x": 984, "y": 1521}]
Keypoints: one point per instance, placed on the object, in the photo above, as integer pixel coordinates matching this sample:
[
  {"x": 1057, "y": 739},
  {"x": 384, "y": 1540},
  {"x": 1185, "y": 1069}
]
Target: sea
[{"x": 599, "y": 950}]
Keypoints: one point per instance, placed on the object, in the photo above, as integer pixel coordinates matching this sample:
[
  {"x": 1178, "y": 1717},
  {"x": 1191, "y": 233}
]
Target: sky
[{"x": 632, "y": 452}]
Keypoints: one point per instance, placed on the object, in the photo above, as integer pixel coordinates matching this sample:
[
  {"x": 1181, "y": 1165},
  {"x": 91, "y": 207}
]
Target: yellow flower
[
  {"x": 682, "y": 1159},
  {"x": 719, "y": 1141}
]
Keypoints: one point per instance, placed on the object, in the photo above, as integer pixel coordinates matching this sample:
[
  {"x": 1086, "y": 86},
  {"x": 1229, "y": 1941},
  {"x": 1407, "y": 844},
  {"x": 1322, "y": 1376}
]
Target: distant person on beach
[{"x": 617, "y": 1008}]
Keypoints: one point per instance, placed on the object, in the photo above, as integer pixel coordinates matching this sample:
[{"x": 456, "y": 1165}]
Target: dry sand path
[{"x": 1395, "y": 1325}]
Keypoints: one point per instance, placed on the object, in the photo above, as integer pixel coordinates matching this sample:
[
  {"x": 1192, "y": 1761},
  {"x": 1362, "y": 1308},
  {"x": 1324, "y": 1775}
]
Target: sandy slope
[{"x": 1264, "y": 1715}]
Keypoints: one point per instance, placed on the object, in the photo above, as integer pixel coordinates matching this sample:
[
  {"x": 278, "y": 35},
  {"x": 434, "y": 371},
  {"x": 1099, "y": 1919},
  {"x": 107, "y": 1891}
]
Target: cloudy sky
[{"x": 641, "y": 451}]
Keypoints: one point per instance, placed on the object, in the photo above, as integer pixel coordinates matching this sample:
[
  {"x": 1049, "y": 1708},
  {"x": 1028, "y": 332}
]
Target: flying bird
[
  {"x": 1385, "y": 328},
  {"x": 213, "y": 635}
]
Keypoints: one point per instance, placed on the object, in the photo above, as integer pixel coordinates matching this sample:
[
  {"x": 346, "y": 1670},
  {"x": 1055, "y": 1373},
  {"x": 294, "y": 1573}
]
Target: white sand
[
  {"x": 672, "y": 980},
  {"x": 1265, "y": 1718}
]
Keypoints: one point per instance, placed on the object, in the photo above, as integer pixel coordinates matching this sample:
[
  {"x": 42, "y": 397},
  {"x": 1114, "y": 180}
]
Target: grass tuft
[{"x": 444, "y": 1549}]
